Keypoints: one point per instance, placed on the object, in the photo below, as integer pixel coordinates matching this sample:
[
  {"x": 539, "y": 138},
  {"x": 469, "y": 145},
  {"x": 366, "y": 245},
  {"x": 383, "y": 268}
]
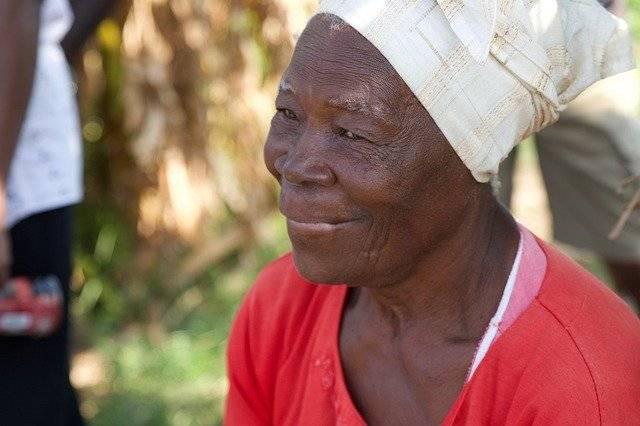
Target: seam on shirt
[{"x": 573, "y": 340}]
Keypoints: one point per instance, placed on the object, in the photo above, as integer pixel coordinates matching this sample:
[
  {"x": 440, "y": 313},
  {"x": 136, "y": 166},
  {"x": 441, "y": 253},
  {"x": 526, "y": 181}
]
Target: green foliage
[
  {"x": 174, "y": 379},
  {"x": 181, "y": 382},
  {"x": 633, "y": 17}
]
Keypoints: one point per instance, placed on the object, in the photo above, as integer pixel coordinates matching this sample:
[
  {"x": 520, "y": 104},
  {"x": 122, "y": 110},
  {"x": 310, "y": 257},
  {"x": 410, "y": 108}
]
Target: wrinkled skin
[
  {"x": 376, "y": 198},
  {"x": 390, "y": 181}
]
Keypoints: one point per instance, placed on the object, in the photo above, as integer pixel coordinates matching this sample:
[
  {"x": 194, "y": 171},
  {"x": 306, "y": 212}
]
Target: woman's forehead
[
  {"x": 339, "y": 67},
  {"x": 324, "y": 46}
]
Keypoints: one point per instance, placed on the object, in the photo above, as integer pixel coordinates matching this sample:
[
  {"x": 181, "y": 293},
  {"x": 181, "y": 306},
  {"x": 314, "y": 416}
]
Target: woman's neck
[{"x": 456, "y": 287}]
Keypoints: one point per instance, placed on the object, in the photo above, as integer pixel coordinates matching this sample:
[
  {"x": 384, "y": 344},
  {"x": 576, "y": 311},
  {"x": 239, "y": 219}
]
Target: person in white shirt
[{"x": 40, "y": 181}]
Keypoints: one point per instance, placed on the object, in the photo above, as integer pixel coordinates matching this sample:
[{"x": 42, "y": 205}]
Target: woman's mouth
[
  {"x": 318, "y": 226},
  {"x": 313, "y": 218}
]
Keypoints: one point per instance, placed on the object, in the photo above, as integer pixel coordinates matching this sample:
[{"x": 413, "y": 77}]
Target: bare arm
[
  {"x": 88, "y": 15},
  {"x": 20, "y": 22}
]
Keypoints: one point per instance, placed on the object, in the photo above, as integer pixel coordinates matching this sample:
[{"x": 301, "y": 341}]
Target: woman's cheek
[
  {"x": 368, "y": 172},
  {"x": 273, "y": 149}
]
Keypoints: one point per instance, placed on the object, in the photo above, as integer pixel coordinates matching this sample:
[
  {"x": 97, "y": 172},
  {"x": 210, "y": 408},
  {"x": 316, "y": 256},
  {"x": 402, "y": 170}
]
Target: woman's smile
[
  {"x": 318, "y": 227},
  {"x": 316, "y": 211},
  {"x": 305, "y": 218}
]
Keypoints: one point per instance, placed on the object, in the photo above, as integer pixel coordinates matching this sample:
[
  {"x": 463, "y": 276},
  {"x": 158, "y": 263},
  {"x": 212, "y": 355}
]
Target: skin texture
[
  {"x": 376, "y": 198},
  {"x": 20, "y": 22}
]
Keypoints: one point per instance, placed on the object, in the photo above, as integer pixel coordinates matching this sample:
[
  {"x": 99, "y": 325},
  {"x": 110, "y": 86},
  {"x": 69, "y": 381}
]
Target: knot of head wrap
[
  {"x": 474, "y": 23},
  {"x": 491, "y": 72}
]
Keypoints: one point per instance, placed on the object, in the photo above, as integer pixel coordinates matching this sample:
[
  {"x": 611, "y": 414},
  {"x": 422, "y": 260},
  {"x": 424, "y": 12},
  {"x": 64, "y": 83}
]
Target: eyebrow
[
  {"x": 358, "y": 105},
  {"x": 353, "y": 103}
]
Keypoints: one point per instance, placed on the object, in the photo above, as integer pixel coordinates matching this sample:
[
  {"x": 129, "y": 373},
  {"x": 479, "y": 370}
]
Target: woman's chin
[{"x": 318, "y": 269}]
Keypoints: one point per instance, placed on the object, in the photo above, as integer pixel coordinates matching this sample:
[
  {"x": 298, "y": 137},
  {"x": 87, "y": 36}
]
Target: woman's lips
[
  {"x": 317, "y": 227},
  {"x": 311, "y": 216}
]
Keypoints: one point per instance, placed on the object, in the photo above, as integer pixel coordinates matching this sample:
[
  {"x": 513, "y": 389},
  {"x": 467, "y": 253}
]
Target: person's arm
[
  {"x": 87, "y": 16},
  {"x": 20, "y": 23}
]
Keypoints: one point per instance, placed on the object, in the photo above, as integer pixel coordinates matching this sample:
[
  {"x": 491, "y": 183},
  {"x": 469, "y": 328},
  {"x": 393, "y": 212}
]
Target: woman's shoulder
[
  {"x": 575, "y": 352},
  {"x": 276, "y": 307},
  {"x": 595, "y": 318},
  {"x": 279, "y": 311},
  {"x": 561, "y": 362},
  {"x": 602, "y": 329},
  {"x": 279, "y": 286}
]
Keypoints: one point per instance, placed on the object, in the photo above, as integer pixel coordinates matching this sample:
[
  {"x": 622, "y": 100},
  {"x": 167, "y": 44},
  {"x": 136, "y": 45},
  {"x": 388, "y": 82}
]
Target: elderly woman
[{"x": 411, "y": 297}]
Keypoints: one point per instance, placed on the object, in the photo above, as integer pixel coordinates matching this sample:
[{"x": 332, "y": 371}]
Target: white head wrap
[{"x": 492, "y": 72}]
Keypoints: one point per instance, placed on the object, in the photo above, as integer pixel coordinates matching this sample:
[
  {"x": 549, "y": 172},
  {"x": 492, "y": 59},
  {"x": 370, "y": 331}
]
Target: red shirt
[{"x": 571, "y": 358}]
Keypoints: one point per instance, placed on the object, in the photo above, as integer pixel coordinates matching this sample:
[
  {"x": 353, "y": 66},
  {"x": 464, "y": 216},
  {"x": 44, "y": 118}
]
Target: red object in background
[{"x": 30, "y": 308}]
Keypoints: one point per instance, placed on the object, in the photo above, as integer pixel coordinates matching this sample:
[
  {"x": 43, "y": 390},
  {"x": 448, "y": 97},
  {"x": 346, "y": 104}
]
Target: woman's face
[{"x": 369, "y": 183}]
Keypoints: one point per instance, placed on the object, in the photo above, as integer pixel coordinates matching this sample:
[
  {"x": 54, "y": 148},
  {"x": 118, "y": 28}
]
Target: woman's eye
[
  {"x": 349, "y": 134},
  {"x": 288, "y": 113}
]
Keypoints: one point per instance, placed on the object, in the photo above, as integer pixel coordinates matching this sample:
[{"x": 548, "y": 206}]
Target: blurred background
[{"x": 180, "y": 213}]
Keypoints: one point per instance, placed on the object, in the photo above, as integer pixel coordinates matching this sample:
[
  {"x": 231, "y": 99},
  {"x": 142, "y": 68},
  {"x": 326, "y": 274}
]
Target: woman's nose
[{"x": 306, "y": 163}]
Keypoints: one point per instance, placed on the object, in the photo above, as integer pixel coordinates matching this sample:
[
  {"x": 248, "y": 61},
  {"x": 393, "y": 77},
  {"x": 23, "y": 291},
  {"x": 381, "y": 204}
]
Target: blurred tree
[{"x": 176, "y": 99}]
